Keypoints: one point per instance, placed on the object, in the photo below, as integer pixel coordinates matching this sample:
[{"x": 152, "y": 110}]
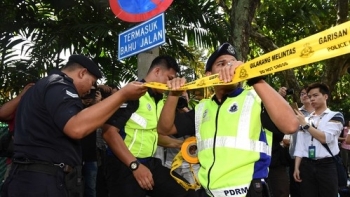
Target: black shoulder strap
[{"x": 326, "y": 146}]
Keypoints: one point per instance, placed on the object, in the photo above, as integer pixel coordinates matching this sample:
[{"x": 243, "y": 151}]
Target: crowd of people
[{"x": 72, "y": 137}]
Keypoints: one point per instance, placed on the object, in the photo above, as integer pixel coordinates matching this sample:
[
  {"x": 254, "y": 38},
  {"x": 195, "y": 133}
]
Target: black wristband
[{"x": 255, "y": 80}]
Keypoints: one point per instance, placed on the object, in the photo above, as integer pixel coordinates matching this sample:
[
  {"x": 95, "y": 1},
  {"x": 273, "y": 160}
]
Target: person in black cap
[
  {"x": 49, "y": 123},
  {"x": 233, "y": 129}
]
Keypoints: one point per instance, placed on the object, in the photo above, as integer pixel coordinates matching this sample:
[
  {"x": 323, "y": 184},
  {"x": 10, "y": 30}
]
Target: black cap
[
  {"x": 224, "y": 49},
  {"x": 87, "y": 63}
]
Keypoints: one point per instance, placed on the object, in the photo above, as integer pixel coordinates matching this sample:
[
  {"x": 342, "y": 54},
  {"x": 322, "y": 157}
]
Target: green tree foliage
[
  {"x": 276, "y": 26},
  {"x": 50, "y": 28}
]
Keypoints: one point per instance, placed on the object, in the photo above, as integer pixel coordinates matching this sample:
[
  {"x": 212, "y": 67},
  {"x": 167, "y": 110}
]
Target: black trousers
[
  {"x": 294, "y": 186},
  {"x": 121, "y": 182},
  {"x": 101, "y": 181},
  {"x": 279, "y": 181},
  {"x": 22, "y": 183},
  {"x": 319, "y": 178}
]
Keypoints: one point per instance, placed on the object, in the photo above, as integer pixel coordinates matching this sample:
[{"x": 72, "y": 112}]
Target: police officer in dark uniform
[{"x": 50, "y": 120}]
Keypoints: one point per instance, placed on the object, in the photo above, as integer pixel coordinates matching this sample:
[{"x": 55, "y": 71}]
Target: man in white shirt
[{"x": 315, "y": 168}]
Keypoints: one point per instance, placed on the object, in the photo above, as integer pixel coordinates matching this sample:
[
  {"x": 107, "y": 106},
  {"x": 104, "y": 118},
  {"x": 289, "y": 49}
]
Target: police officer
[
  {"x": 49, "y": 122},
  {"x": 234, "y": 129},
  {"x": 132, "y": 138}
]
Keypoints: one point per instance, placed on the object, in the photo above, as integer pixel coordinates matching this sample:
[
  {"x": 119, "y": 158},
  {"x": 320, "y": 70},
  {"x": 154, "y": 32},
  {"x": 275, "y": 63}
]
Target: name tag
[{"x": 312, "y": 152}]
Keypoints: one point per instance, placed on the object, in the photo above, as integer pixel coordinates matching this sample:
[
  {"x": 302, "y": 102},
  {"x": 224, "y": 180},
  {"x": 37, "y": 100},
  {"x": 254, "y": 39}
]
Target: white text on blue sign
[{"x": 142, "y": 37}]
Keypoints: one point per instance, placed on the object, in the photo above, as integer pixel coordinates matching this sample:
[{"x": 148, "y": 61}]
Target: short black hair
[
  {"x": 324, "y": 89},
  {"x": 303, "y": 88},
  {"x": 71, "y": 66},
  {"x": 165, "y": 61}
]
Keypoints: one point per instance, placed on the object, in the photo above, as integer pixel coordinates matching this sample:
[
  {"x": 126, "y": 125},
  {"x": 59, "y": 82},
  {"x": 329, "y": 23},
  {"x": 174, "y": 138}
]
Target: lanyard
[{"x": 315, "y": 126}]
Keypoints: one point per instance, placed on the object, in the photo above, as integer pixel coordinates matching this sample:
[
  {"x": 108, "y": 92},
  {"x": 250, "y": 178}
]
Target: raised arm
[
  {"x": 166, "y": 120},
  {"x": 92, "y": 117},
  {"x": 277, "y": 107}
]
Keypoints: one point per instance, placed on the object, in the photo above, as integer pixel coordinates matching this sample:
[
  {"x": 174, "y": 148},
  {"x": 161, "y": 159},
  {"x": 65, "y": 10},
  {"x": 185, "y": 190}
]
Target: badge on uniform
[{"x": 312, "y": 152}]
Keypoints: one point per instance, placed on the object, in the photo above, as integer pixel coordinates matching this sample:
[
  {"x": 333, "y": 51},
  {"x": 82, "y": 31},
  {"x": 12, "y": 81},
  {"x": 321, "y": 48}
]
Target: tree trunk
[
  {"x": 241, "y": 16},
  {"x": 336, "y": 67}
]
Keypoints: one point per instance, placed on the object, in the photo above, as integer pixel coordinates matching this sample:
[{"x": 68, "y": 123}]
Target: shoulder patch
[
  {"x": 124, "y": 105},
  {"x": 71, "y": 94}
]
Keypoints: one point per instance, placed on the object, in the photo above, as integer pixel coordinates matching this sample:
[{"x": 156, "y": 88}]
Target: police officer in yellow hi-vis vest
[
  {"x": 132, "y": 138},
  {"x": 233, "y": 129}
]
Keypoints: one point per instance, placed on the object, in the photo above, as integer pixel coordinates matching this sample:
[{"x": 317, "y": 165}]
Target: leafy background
[{"x": 46, "y": 31}]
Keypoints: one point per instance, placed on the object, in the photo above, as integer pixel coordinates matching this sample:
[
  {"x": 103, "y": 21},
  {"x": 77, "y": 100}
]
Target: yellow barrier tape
[
  {"x": 189, "y": 153},
  {"x": 327, "y": 44}
]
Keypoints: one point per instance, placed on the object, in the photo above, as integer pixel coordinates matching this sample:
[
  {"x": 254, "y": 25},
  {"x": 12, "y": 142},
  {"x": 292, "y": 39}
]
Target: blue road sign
[{"x": 143, "y": 37}]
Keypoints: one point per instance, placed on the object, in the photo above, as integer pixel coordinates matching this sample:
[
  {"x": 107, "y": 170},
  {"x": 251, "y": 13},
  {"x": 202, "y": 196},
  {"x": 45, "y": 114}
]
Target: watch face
[{"x": 133, "y": 166}]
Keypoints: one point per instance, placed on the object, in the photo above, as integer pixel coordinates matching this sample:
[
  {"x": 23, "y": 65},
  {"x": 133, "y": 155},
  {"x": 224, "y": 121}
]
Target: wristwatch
[
  {"x": 134, "y": 165},
  {"x": 305, "y": 127}
]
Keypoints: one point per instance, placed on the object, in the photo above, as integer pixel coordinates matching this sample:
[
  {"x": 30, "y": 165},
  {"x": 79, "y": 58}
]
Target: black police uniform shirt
[
  {"x": 185, "y": 124},
  {"x": 42, "y": 114}
]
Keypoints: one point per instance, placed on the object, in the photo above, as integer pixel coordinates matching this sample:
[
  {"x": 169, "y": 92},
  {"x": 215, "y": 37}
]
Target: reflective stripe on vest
[
  {"x": 244, "y": 119},
  {"x": 232, "y": 128},
  {"x": 238, "y": 191},
  {"x": 141, "y": 135},
  {"x": 139, "y": 120},
  {"x": 237, "y": 143},
  {"x": 198, "y": 119},
  {"x": 242, "y": 140}
]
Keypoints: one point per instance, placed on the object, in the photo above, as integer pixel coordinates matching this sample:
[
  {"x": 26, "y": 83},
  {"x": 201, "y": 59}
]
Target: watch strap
[
  {"x": 134, "y": 165},
  {"x": 305, "y": 127}
]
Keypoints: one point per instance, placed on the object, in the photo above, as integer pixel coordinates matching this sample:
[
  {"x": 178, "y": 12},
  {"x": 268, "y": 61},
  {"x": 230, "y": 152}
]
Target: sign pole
[{"x": 144, "y": 61}]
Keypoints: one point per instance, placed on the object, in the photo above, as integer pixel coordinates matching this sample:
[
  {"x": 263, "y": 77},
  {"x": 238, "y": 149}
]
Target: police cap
[
  {"x": 224, "y": 49},
  {"x": 86, "y": 63}
]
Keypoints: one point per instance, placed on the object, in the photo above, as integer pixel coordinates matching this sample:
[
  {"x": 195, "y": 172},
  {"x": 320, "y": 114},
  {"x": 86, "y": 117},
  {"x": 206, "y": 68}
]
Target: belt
[
  {"x": 42, "y": 167},
  {"x": 323, "y": 160}
]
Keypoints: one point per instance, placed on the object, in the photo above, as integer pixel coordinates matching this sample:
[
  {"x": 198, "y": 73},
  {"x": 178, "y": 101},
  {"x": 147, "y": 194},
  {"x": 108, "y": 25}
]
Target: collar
[
  {"x": 64, "y": 75},
  {"x": 322, "y": 114},
  {"x": 232, "y": 94},
  {"x": 157, "y": 96}
]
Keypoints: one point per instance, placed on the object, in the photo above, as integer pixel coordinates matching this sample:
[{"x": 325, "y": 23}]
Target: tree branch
[
  {"x": 223, "y": 5},
  {"x": 265, "y": 43}
]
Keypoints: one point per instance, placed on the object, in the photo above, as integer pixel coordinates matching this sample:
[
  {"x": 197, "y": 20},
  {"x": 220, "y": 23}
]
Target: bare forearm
[
  {"x": 92, "y": 117},
  {"x": 7, "y": 110},
  {"x": 168, "y": 142},
  {"x": 317, "y": 134},
  {"x": 297, "y": 162},
  {"x": 278, "y": 109},
  {"x": 167, "y": 116}
]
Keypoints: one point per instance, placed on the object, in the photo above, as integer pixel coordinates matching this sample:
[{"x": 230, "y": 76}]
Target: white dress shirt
[{"x": 331, "y": 129}]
